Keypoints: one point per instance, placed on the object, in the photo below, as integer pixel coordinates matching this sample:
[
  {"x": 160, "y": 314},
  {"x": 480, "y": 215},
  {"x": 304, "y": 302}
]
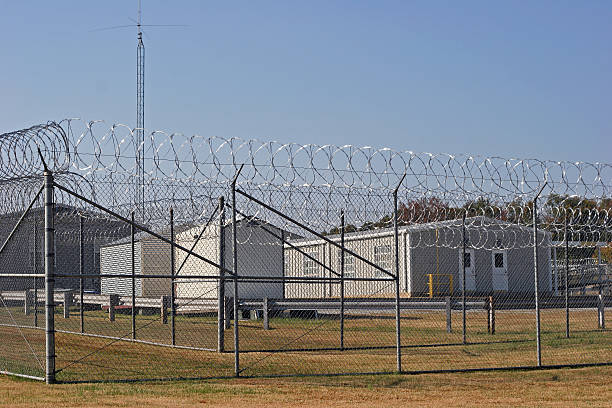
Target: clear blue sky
[{"x": 511, "y": 78}]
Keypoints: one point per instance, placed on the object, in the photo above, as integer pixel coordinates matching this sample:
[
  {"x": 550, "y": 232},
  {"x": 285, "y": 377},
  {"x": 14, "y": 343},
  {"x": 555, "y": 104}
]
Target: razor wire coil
[{"x": 309, "y": 182}]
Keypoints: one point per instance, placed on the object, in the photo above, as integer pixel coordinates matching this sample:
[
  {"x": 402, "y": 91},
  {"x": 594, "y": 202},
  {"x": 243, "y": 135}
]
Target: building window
[
  {"x": 498, "y": 259},
  {"x": 382, "y": 258},
  {"x": 349, "y": 264},
  {"x": 311, "y": 267}
]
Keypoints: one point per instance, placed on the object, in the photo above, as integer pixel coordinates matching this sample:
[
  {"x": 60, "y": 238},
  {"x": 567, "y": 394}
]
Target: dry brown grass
[
  {"x": 587, "y": 387},
  {"x": 87, "y": 358}
]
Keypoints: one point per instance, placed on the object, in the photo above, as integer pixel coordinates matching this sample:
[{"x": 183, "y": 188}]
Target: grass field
[
  {"x": 586, "y": 387},
  {"x": 427, "y": 345}
]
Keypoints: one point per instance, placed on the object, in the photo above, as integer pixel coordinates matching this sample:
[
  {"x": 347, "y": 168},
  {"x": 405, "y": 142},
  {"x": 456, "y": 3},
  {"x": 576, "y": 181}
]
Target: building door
[
  {"x": 470, "y": 270},
  {"x": 499, "y": 260}
]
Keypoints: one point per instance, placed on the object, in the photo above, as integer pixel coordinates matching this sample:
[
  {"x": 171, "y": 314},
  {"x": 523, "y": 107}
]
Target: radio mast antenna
[
  {"x": 140, "y": 112},
  {"x": 139, "y": 193}
]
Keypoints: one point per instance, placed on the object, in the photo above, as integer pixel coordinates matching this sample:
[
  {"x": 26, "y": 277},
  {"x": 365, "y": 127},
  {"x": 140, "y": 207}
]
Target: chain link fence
[{"x": 244, "y": 258}]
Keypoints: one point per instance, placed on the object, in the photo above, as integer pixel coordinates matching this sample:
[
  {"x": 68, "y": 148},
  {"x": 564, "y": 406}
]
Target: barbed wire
[{"x": 308, "y": 182}]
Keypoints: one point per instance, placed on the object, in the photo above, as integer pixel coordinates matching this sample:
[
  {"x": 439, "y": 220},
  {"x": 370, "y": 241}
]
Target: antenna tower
[
  {"x": 140, "y": 109},
  {"x": 140, "y": 183}
]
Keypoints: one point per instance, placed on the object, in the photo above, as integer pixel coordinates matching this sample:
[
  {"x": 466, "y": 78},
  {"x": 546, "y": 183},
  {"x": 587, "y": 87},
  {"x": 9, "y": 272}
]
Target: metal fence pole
[
  {"x": 172, "y": 268},
  {"x": 491, "y": 323},
  {"x": 535, "y": 275},
  {"x": 221, "y": 292},
  {"x": 584, "y": 277},
  {"x": 328, "y": 288},
  {"x": 397, "y": 278},
  {"x": 601, "y": 310},
  {"x": 599, "y": 275},
  {"x": 93, "y": 262},
  {"x": 133, "y": 267},
  {"x": 235, "y": 267},
  {"x": 35, "y": 272},
  {"x": 463, "y": 278},
  {"x": 341, "y": 279},
  {"x": 449, "y": 314},
  {"x": 555, "y": 269},
  {"x": 283, "y": 260},
  {"x": 567, "y": 316},
  {"x": 49, "y": 279},
  {"x": 81, "y": 272},
  {"x": 163, "y": 309},
  {"x": 266, "y": 313}
]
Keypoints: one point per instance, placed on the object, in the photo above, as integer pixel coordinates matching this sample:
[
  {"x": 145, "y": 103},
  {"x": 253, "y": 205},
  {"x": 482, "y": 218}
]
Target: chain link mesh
[{"x": 340, "y": 260}]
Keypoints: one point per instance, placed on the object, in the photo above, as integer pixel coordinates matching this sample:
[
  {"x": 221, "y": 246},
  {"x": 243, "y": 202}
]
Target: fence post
[
  {"x": 163, "y": 311},
  {"x": 221, "y": 292},
  {"x": 488, "y": 309},
  {"x": 535, "y": 275},
  {"x": 35, "y": 271},
  {"x": 81, "y": 273},
  {"x": 397, "y": 278},
  {"x": 567, "y": 316},
  {"x": 27, "y": 302},
  {"x": 328, "y": 289},
  {"x": 599, "y": 274},
  {"x": 163, "y": 308},
  {"x": 341, "y": 279},
  {"x": 172, "y": 270},
  {"x": 556, "y": 271},
  {"x": 601, "y": 318},
  {"x": 113, "y": 300},
  {"x": 266, "y": 312},
  {"x": 490, "y": 315},
  {"x": 133, "y": 268},
  {"x": 49, "y": 278},
  {"x": 284, "y": 272},
  {"x": 582, "y": 279},
  {"x": 97, "y": 287},
  {"x": 235, "y": 268},
  {"x": 449, "y": 326},
  {"x": 67, "y": 303},
  {"x": 228, "y": 301},
  {"x": 463, "y": 314}
]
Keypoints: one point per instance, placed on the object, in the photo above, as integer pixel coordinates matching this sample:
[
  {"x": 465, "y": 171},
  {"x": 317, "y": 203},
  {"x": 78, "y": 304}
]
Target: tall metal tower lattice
[
  {"x": 139, "y": 180},
  {"x": 140, "y": 123}
]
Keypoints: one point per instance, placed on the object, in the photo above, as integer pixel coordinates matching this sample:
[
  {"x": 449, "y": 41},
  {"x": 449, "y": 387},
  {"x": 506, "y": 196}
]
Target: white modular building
[
  {"x": 499, "y": 259},
  {"x": 260, "y": 254},
  {"x": 151, "y": 257}
]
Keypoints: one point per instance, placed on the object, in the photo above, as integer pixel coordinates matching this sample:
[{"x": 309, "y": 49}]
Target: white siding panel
[
  {"x": 117, "y": 260},
  {"x": 207, "y": 247}
]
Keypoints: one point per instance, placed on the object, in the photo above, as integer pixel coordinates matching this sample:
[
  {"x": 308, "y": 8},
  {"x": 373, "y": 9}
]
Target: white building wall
[
  {"x": 418, "y": 258},
  {"x": 117, "y": 260},
  {"x": 156, "y": 261},
  {"x": 259, "y": 255},
  {"x": 364, "y": 246},
  {"x": 297, "y": 267},
  {"x": 208, "y": 247}
]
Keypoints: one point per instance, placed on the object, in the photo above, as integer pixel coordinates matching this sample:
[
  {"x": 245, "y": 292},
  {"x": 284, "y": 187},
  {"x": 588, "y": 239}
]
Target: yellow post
[{"x": 430, "y": 285}]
